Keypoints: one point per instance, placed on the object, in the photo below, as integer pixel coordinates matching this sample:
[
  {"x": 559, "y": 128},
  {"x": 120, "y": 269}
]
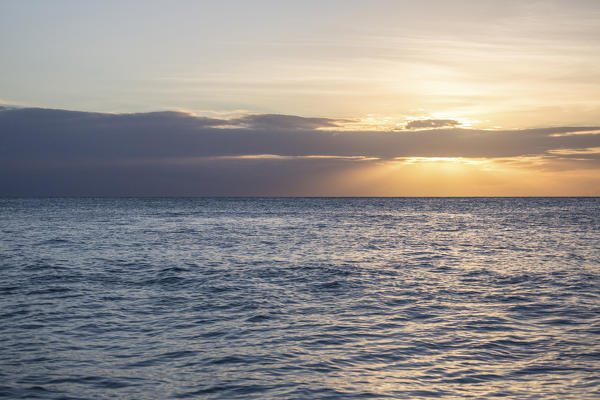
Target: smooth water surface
[{"x": 300, "y": 298}]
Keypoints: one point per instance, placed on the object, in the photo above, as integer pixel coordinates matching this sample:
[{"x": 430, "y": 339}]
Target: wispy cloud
[
  {"x": 278, "y": 121},
  {"x": 431, "y": 123},
  {"x": 568, "y": 152}
]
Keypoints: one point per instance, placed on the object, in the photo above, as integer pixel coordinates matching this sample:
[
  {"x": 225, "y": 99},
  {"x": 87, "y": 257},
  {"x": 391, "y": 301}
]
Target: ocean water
[{"x": 300, "y": 298}]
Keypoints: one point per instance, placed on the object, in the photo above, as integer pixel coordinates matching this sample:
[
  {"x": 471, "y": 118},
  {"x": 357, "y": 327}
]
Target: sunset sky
[{"x": 315, "y": 98}]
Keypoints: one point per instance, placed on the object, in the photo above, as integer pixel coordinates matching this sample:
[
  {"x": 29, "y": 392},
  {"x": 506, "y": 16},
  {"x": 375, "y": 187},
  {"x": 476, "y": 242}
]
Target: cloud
[
  {"x": 278, "y": 121},
  {"x": 60, "y": 152},
  {"x": 430, "y": 123},
  {"x": 577, "y": 152}
]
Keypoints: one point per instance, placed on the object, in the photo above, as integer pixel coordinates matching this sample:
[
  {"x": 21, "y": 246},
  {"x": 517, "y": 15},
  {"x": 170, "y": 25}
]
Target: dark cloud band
[{"x": 47, "y": 151}]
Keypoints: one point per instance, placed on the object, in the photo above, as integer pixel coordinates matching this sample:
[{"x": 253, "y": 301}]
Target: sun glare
[{"x": 448, "y": 161}]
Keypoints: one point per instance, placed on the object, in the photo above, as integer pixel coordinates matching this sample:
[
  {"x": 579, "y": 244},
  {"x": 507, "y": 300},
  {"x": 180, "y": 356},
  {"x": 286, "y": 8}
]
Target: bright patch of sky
[{"x": 487, "y": 64}]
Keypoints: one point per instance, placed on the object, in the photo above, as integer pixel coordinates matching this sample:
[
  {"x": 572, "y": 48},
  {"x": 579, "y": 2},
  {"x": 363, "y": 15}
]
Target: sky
[{"x": 312, "y": 98}]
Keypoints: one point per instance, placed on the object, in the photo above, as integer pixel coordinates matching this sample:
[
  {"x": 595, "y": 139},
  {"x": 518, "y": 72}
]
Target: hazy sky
[{"x": 393, "y": 67}]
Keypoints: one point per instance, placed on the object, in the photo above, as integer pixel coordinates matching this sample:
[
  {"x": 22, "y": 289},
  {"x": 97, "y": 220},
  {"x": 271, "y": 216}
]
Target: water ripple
[{"x": 300, "y": 298}]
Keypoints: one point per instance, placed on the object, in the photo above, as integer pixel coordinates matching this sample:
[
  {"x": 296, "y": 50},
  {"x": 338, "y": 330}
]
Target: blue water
[{"x": 300, "y": 298}]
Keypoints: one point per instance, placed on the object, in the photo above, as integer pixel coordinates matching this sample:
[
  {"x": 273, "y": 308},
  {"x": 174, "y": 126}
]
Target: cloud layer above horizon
[{"x": 60, "y": 152}]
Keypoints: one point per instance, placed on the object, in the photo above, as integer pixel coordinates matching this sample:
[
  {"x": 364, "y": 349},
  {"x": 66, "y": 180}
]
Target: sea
[{"x": 299, "y": 298}]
